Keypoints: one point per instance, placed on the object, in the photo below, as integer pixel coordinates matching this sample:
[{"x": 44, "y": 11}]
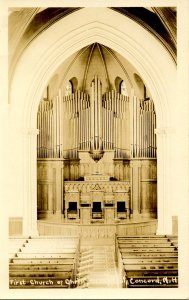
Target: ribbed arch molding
[
  {"x": 50, "y": 49},
  {"x": 45, "y": 54}
]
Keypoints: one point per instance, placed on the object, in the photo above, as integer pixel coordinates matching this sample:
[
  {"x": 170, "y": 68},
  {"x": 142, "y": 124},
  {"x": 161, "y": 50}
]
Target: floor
[{"x": 97, "y": 267}]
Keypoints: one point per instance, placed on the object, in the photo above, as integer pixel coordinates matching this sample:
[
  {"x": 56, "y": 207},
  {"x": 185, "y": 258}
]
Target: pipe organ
[
  {"x": 96, "y": 123},
  {"x": 111, "y": 134},
  {"x": 116, "y": 123},
  {"x": 143, "y": 143}
]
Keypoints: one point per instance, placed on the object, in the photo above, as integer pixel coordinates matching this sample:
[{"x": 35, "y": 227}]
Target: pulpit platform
[
  {"x": 97, "y": 198},
  {"x": 97, "y": 229}
]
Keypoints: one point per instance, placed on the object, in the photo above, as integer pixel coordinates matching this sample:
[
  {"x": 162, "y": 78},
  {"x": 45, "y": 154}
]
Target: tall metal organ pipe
[{"x": 68, "y": 124}]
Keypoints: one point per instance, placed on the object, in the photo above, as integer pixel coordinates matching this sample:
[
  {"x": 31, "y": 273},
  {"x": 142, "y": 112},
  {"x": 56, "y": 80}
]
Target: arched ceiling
[
  {"x": 95, "y": 59},
  {"x": 161, "y": 22},
  {"x": 27, "y": 23},
  {"x": 44, "y": 55}
]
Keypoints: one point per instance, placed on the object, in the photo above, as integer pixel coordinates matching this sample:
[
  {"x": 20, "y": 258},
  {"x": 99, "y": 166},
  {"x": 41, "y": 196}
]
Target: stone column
[
  {"x": 5, "y": 152},
  {"x": 30, "y": 182},
  {"x": 164, "y": 190}
]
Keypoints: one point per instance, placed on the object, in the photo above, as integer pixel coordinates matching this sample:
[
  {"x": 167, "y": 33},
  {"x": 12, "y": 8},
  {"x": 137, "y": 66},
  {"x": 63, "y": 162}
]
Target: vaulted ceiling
[
  {"x": 96, "y": 59},
  {"x": 159, "y": 21},
  {"x": 27, "y": 23}
]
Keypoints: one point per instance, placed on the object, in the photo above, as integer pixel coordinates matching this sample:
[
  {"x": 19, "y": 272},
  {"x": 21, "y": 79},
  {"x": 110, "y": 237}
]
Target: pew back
[
  {"x": 147, "y": 261},
  {"x": 43, "y": 262}
]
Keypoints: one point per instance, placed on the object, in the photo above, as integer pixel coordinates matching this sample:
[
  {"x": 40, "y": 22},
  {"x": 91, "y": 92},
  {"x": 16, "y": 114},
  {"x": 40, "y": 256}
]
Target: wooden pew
[
  {"x": 142, "y": 237},
  {"x": 17, "y": 241},
  {"x": 48, "y": 251},
  {"x": 145, "y": 245},
  {"x": 36, "y": 261},
  {"x": 39, "y": 267},
  {"x": 68, "y": 254},
  {"x": 172, "y": 236},
  {"x": 140, "y": 272},
  {"x": 147, "y": 261},
  {"x": 151, "y": 281},
  {"x": 142, "y": 240},
  {"x": 15, "y": 244},
  {"x": 52, "y": 240},
  {"x": 149, "y": 271},
  {"x": 151, "y": 266},
  {"x": 41, "y": 273},
  {"x": 149, "y": 254},
  {"x": 40, "y": 282},
  {"x": 50, "y": 244},
  {"x": 145, "y": 241},
  {"x": 44, "y": 259},
  {"x": 173, "y": 240},
  {"x": 147, "y": 249}
]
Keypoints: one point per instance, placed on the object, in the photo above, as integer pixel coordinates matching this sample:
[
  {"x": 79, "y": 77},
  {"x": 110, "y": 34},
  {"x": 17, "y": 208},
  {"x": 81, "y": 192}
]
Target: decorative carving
[
  {"x": 97, "y": 177},
  {"x": 96, "y": 154},
  {"x": 72, "y": 196},
  {"x": 106, "y": 187},
  {"x": 97, "y": 187},
  {"x": 85, "y": 198}
]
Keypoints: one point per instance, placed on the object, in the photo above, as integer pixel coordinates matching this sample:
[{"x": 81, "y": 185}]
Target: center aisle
[{"x": 97, "y": 267}]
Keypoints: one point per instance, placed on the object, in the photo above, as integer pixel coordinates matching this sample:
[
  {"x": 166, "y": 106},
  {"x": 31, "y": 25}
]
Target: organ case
[{"x": 111, "y": 134}]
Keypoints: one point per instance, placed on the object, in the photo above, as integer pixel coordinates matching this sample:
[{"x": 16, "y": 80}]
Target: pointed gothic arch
[{"x": 90, "y": 26}]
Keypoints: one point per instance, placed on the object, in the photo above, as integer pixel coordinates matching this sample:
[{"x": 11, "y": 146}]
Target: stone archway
[{"x": 56, "y": 44}]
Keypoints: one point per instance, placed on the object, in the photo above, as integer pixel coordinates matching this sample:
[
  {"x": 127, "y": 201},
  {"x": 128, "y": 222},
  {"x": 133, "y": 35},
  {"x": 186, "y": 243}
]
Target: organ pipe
[
  {"x": 143, "y": 125},
  {"x": 68, "y": 124}
]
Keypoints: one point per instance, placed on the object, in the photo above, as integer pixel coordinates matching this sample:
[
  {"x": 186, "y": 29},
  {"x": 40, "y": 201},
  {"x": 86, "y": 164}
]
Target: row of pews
[
  {"x": 43, "y": 262},
  {"x": 147, "y": 261}
]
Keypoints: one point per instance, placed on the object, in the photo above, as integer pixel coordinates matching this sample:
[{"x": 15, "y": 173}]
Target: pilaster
[
  {"x": 29, "y": 182},
  {"x": 164, "y": 171},
  {"x": 135, "y": 188}
]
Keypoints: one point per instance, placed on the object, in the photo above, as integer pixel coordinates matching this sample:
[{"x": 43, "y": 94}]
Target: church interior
[
  {"x": 93, "y": 129},
  {"x": 94, "y": 187}
]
